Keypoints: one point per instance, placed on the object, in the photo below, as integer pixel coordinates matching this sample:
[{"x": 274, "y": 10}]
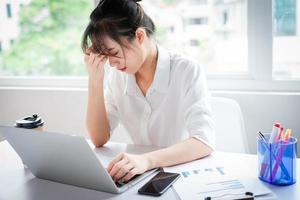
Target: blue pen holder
[{"x": 277, "y": 161}]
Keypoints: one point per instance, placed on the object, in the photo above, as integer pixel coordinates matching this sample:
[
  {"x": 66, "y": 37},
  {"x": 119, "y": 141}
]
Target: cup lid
[{"x": 29, "y": 122}]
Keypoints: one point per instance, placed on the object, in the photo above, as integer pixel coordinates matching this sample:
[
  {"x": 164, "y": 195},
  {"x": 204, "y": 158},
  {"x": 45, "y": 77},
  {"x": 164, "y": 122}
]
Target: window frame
[{"x": 258, "y": 78}]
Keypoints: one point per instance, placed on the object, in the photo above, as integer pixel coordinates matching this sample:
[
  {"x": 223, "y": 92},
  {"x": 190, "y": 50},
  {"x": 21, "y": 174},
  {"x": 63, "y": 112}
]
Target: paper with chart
[{"x": 199, "y": 181}]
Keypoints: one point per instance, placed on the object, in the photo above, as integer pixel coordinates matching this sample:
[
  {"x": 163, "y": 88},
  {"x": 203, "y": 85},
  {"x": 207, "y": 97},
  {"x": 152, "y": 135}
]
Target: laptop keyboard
[{"x": 120, "y": 184}]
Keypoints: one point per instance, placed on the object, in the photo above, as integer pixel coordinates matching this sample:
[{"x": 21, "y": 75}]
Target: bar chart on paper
[
  {"x": 203, "y": 171},
  {"x": 212, "y": 180}
]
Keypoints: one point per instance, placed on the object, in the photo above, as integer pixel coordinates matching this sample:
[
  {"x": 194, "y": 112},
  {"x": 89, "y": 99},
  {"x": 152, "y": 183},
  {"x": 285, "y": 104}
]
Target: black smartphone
[{"x": 159, "y": 183}]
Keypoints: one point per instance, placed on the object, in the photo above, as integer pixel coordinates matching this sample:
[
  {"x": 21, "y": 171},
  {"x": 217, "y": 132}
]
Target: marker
[
  {"x": 275, "y": 131},
  {"x": 279, "y": 135},
  {"x": 287, "y": 135}
]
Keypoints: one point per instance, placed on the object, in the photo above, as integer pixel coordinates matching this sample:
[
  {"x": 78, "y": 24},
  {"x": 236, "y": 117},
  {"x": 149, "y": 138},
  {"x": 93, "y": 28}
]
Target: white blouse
[{"x": 176, "y": 105}]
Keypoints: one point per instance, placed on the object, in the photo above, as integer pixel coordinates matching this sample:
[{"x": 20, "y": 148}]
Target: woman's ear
[{"x": 140, "y": 35}]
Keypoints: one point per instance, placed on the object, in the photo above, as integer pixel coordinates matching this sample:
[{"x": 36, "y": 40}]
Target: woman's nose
[{"x": 115, "y": 62}]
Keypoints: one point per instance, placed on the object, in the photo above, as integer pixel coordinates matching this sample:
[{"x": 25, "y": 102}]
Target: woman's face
[{"x": 128, "y": 58}]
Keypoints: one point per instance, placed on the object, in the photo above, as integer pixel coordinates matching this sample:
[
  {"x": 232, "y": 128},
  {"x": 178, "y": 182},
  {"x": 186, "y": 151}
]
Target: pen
[
  {"x": 263, "y": 165},
  {"x": 262, "y": 136}
]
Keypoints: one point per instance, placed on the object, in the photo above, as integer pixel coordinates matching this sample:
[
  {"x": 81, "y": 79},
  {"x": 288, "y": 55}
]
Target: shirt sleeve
[
  {"x": 110, "y": 103},
  {"x": 196, "y": 107}
]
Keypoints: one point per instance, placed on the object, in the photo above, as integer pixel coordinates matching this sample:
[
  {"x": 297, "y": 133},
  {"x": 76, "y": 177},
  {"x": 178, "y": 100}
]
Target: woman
[{"x": 159, "y": 97}]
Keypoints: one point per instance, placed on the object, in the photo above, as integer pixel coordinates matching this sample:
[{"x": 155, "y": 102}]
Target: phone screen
[{"x": 159, "y": 183}]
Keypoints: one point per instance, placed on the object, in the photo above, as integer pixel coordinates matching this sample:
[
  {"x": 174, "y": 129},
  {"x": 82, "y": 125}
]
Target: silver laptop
[{"x": 63, "y": 158}]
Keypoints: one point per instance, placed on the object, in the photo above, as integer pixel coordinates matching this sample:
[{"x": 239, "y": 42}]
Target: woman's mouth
[{"x": 123, "y": 69}]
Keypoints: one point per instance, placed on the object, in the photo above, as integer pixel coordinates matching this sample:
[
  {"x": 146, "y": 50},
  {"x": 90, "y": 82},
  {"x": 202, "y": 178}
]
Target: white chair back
[{"x": 230, "y": 130}]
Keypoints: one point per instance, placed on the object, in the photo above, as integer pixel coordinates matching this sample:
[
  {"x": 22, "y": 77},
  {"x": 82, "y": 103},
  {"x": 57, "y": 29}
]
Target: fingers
[
  {"x": 124, "y": 170},
  {"x": 118, "y": 168},
  {"x": 114, "y": 161},
  {"x": 130, "y": 174},
  {"x": 94, "y": 60},
  {"x": 125, "y": 166},
  {"x": 87, "y": 55},
  {"x": 99, "y": 60},
  {"x": 91, "y": 59}
]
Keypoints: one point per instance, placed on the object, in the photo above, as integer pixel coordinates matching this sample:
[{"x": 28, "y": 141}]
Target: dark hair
[{"x": 115, "y": 19}]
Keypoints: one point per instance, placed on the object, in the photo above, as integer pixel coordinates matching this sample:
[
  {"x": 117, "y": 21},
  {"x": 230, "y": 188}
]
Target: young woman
[{"x": 159, "y": 97}]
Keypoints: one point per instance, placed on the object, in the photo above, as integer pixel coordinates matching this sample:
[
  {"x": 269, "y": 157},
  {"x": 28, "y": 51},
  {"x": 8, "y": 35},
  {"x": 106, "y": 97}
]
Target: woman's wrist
[
  {"x": 151, "y": 162},
  {"x": 96, "y": 76},
  {"x": 95, "y": 82}
]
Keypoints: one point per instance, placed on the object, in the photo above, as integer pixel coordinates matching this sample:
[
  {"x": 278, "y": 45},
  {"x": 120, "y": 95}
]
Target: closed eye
[{"x": 113, "y": 53}]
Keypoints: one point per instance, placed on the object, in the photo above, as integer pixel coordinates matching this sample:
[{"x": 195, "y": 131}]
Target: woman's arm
[
  {"x": 125, "y": 166},
  {"x": 96, "y": 117},
  {"x": 185, "y": 151}
]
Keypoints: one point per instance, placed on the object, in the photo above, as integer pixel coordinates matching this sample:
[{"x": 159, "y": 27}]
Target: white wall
[{"x": 64, "y": 110}]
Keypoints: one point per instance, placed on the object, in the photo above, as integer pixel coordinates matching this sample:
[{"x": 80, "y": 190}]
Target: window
[
  {"x": 203, "y": 30},
  {"x": 242, "y": 44},
  {"x": 45, "y": 38},
  {"x": 286, "y": 41},
  {"x": 8, "y": 11}
]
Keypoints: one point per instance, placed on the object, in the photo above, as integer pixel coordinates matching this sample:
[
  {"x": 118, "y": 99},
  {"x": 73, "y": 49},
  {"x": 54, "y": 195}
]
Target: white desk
[{"x": 17, "y": 183}]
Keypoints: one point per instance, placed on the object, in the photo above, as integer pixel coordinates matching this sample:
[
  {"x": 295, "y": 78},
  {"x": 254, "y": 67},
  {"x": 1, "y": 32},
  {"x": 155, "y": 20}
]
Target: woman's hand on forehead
[{"x": 88, "y": 51}]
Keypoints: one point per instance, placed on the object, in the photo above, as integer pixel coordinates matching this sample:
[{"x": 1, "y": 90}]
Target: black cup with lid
[{"x": 30, "y": 122}]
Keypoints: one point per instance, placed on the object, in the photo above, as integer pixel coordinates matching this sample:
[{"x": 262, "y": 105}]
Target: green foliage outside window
[{"x": 49, "y": 39}]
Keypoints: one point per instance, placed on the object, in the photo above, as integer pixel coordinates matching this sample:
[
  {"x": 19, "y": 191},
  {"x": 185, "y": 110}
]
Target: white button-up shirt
[{"x": 176, "y": 105}]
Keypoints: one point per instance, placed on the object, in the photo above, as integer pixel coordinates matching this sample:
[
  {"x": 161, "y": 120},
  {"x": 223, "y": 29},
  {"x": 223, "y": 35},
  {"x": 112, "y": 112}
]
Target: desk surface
[{"x": 16, "y": 182}]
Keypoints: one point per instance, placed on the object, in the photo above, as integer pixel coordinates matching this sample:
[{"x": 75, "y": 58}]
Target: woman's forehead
[{"x": 110, "y": 43}]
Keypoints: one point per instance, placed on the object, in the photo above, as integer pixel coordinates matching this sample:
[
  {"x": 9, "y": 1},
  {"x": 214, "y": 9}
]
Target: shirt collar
[
  {"x": 161, "y": 77},
  {"x": 130, "y": 85}
]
